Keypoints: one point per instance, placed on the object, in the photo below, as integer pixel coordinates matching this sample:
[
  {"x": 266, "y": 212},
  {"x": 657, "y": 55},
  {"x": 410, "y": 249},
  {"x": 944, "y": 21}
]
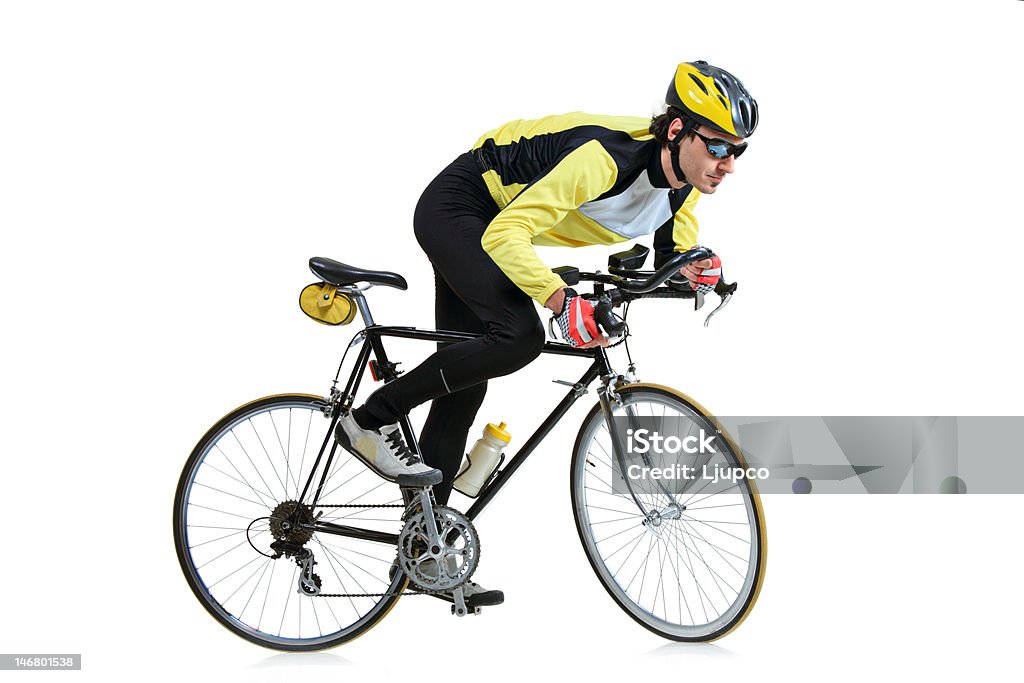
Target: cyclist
[{"x": 568, "y": 180}]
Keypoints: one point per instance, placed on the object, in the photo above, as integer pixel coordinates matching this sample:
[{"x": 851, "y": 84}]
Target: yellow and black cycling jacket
[{"x": 575, "y": 180}]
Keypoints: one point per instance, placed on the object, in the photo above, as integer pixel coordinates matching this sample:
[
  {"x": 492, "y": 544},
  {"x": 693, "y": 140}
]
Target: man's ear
[{"x": 674, "y": 127}]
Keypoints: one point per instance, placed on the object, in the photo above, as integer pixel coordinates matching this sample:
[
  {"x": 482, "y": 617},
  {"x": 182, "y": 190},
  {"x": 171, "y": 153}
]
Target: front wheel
[
  {"x": 239, "y": 492},
  {"x": 683, "y": 557}
]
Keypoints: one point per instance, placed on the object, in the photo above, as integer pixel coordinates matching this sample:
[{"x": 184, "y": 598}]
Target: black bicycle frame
[{"x": 372, "y": 344}]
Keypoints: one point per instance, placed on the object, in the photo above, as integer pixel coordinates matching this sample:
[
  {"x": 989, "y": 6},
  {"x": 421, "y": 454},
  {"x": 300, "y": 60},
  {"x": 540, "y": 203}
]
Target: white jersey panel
[{"x": 638, "y": 210}]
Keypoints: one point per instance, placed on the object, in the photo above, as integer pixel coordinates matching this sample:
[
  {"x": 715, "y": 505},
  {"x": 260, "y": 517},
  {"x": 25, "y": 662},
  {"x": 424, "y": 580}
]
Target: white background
[{"x": 166, "y": 170}]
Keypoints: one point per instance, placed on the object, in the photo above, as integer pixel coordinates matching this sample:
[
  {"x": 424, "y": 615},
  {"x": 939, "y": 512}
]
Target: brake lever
[
  {"x": 725, "y": 300},
  {"x": 724, "y": 290}
]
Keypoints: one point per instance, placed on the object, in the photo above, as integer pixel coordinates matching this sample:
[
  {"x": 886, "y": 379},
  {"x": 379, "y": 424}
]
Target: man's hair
[{"x": 661, "y": 122}]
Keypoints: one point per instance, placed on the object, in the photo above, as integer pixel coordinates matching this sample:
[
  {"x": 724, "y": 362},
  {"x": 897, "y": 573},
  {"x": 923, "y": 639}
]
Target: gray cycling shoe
[{"x": 385, "y": 452}]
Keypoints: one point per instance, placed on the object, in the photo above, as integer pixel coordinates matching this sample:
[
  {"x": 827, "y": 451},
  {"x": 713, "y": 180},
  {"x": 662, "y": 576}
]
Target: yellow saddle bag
[{"x": 325, "y": 304}]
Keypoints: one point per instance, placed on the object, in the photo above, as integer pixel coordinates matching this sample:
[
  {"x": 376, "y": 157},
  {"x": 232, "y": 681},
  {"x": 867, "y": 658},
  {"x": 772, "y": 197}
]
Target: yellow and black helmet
[{"x": 713, "y": 97}]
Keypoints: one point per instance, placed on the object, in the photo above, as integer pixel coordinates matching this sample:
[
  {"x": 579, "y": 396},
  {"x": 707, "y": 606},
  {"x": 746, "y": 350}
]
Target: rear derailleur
[{"x": 309, "y": 582}]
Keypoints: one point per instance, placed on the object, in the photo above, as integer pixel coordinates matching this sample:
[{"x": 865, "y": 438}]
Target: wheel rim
[
  {"x": 697, "y": 578},
  {"x": 249, "y": 465}
]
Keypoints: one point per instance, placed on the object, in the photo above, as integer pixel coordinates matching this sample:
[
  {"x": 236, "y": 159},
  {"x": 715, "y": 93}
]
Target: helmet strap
[{"x": 673, "y": 148}]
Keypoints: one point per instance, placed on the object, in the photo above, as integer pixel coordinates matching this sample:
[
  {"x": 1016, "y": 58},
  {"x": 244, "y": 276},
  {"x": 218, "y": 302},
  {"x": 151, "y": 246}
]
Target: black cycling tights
[{"x": 473, "y": 295}]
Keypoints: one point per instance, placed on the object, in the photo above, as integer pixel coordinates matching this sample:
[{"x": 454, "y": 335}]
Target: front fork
[{"x": 609, "y": 398}]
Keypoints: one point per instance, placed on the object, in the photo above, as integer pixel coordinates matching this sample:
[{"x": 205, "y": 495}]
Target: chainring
[{"x": 451, "y": 565}]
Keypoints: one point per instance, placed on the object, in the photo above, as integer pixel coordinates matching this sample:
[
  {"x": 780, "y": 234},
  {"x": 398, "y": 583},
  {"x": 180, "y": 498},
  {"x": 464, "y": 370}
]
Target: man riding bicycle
[{"x": 568, "y": 180}]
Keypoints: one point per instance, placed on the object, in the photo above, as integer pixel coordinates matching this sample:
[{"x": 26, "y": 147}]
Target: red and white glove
[
  {"x": 706, "y": 278},
  {"x": 576, "y": 321}
]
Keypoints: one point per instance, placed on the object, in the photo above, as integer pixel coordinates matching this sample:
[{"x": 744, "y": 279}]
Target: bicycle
[{"x": 686, "y": 564}]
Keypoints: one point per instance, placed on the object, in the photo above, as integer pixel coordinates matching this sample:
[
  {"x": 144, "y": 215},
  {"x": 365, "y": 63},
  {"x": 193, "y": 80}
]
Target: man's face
[{"x": 702, "y": 170}]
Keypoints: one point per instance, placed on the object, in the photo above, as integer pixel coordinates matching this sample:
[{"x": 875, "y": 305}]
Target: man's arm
[{"x": 582, "y": 175}]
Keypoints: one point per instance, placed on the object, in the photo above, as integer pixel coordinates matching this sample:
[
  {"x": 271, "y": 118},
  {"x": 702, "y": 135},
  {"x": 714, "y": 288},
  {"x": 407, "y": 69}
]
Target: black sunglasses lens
[{"x": 718, "y": 148}]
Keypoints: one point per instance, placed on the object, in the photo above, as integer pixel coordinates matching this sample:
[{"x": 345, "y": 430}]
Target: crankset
[{"x": 438, "y": 552}]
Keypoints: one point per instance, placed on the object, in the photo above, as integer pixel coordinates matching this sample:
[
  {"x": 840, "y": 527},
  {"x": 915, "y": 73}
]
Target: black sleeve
[{"x": 664, "y": 244}]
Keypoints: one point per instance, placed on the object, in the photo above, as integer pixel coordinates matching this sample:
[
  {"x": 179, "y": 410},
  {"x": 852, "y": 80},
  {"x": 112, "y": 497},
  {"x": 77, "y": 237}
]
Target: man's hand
[
  {"x": 572, "y": 331},
  {"x": 556, "y": 301},
  {"x": 704, "y": 274}
]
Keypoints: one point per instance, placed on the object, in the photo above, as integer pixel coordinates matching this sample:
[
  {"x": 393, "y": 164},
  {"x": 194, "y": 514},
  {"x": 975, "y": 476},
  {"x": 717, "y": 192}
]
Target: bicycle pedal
[{"x": 467, "y": 610}]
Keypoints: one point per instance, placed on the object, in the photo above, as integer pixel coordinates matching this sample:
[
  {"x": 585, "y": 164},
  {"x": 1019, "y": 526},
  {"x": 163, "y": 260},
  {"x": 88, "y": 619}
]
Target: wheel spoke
[
  {"x": 262, "y": 495},
  {"x": 226, "y": 556},
  {"x": 269, "y": 460},
  {"x": 233, "y": 495},
  {"x": 685, "y": 576},
  {"x": 305, "y": 445},
  {"x": 258, "y": 473},
  {"x": 287, "y": 450}
]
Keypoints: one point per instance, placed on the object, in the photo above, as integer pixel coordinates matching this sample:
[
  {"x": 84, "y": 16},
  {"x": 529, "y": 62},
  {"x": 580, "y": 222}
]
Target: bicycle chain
[
  {"x": 369, "y": 505},
  {"x": 378, "y": 595},
  {"x": 372, "y": 595}
]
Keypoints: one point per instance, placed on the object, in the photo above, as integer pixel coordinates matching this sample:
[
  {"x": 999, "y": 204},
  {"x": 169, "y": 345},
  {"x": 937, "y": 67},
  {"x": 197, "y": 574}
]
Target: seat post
[{"x": 364, "y": 308}]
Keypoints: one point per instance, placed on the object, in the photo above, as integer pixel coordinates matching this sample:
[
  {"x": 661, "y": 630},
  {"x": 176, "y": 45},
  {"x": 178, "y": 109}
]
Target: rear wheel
[
  {"x": 239, "y": 488},
  {"x": 688, "y": 575}
]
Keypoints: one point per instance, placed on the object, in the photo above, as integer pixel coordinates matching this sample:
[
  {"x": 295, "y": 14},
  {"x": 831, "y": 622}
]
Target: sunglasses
[{"x": 720, "y": 149}]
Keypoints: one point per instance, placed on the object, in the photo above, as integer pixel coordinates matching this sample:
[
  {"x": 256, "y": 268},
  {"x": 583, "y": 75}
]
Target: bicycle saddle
[{"x": 337, "y": 273}]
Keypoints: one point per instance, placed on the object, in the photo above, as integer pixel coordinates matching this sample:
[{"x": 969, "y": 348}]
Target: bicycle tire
[
  {"x": 741, "y": 549},
  {"x": 214, "y": 466}
]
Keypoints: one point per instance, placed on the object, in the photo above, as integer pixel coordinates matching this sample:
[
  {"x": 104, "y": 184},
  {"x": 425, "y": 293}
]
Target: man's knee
[
  {"x": 520, "y": 346},
  {"x": 536, "y": 339}
]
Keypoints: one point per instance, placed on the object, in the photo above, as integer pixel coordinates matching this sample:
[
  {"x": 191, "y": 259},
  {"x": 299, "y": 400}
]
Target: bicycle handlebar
[
  {"x": 670, "y": 268},
  {"x": 651, "y": 287}
]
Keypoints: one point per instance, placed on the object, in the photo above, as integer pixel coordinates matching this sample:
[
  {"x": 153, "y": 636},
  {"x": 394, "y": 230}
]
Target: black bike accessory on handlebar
[
  {"x": 632, "y": 259},
  {"x": 570, "y": 274}
]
